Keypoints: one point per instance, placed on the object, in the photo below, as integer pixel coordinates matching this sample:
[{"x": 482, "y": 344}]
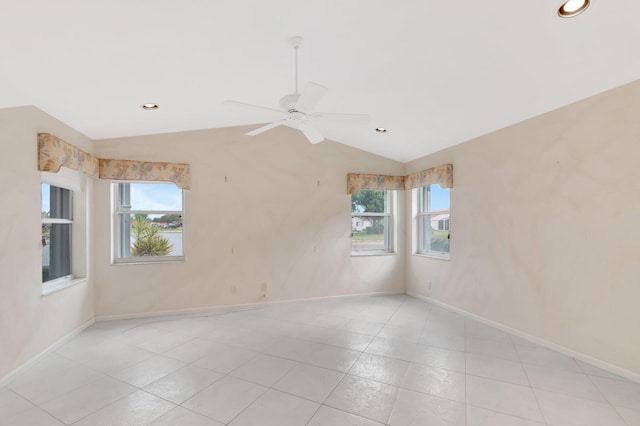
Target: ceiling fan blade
[
  {"x": 342, "y": 118},
  {"x": 252, "y": 107},
  {"x": 265, "y": 128},
  {"x": 311, "y": 95},
  {"x": 311, "y": 133}
]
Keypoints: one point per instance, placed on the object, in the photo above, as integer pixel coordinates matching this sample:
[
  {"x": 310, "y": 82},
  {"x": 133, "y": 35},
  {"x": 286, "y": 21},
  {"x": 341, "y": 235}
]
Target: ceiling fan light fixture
[
  {"x": 572, "y": 8},
  {"x": 150, "y": 106},
  {"x": 381, "y": 130}
]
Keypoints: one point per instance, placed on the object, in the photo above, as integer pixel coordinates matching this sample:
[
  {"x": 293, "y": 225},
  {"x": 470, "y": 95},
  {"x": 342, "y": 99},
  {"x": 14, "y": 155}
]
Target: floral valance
[
  {"x": 356, "y": 182},
  {"x": 144, "y": 170},
  {"x": 53, "y": 153},
  {"x": 442, "y": 175}
]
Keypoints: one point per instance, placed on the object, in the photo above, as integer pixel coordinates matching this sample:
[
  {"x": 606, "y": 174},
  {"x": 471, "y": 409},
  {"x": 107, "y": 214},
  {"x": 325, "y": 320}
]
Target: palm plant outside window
[{"x": 148, "y": 222}]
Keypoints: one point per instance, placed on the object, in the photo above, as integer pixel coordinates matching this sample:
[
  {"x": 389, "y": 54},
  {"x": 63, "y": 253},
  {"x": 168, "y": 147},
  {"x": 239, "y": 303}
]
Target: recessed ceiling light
[
  {"x": 150, "y": 106},
  {"x": 572, "y": 8},
  {"x": 381, "y": 130}
]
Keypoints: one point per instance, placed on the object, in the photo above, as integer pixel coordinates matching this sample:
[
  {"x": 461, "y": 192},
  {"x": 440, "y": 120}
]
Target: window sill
[
  {"x": 433, "y": 256},
  {"x": 148, "y": 261},
  {"x": 57, "y": 285},
  {"x": 372, "y": 253}
]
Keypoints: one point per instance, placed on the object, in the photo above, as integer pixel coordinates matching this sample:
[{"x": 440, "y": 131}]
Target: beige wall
[
  {"x": 30, "y": 322},
  {"x": 270, "y": 222},
  {"x": 545, "y": 229},
  {"x": 545, "y": 219}
]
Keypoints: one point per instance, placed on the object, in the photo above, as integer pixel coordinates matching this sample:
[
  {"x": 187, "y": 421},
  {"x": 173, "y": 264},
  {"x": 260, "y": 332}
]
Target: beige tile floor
[{"x": 391, "y": 360}]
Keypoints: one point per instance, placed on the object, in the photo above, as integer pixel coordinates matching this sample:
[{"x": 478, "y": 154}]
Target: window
[
  {"x": 371, "y": 221},
  {"x": 147, "y": 222},
  {"x": 57, "y": 221},
  {"x": 63, "y": 212},
  {"x": 433, "y": 221}
]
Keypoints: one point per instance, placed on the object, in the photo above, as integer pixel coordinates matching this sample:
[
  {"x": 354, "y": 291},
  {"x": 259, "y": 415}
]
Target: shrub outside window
[
  {"x": 371, "y": 221},
  {"x": 148, "y": 222},
  {"x": 434, "y": 221}
]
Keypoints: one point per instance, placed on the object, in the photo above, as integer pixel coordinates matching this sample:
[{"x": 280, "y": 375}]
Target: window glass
[
  {"x": 56, "y": 214},
  {"x": 369, "y": 201},
  {"x": 434, "y": 220},
  {"x": 439, "y": 199},
  {"x": 371, "y": 221},
  {"x": 155, "y": 196},
  {"x": 148, "y": 222}
]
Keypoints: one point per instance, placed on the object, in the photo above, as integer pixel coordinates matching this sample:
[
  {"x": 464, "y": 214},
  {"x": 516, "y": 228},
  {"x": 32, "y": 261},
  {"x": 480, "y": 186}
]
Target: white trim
[
  {"x": 58, "y": 284},
  {"x": 420, "y": 215},
  {"x": 206, "y": 309},
  {"x": 19, "y": 370},
  {"x": 389, "y": 215},
  {"x": 628, "y": 374},
  {"x": 142, "y": 260},
  {"x": 65, "y": 178},
  {"x": 53, "y": 220},
  {"x": 433, "y": 255},
  {"x": 370, "y": 214},
  {"x": 365, "y": 253},
  {"x": 116, "y": 212},
  {"x": 150, "y": 212}
]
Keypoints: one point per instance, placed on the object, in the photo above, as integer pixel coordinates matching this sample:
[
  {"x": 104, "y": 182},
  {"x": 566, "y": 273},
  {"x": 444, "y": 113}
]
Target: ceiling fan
[{"x": 298, "y": 110}]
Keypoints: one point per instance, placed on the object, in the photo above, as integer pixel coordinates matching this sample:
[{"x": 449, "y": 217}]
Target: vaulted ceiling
[{"x": 434, "y": 73}]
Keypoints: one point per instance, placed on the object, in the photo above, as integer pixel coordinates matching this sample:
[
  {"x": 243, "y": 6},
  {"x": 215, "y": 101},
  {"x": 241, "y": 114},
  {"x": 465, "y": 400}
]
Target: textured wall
[
  {"x": 545, "y": 219},
  {"x": 30, "y": 322},
  {"x": 269, "y": 222},
  {"x": 545, "y": 229}
]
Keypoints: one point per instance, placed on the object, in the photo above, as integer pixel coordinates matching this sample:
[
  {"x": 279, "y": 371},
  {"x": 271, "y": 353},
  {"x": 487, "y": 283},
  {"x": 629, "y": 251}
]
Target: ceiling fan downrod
[
  {"x": 289, "y": 101},
  {"x": 296, "y": 41}
]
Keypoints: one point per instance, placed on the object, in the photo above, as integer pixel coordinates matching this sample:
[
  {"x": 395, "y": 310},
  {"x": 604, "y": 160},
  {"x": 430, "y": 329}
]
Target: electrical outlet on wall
[
  {"x": 263, "y": 286},
  {"x": 233, "y": 289},
  {"x": 429, "y": 286}
]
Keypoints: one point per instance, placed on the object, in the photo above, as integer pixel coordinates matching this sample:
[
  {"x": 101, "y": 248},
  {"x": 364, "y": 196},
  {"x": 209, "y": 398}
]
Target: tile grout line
[
  {"x": 268, "y": 388},
  {"x": 298, "y": 335},
  {"x": 535, "y": 395},
  {"x": 354, "y": 363},
  {"x": 615, "y": 408},
  {"x": 466, "y": 406},
  {"x": 395, "y": 400},
  {"x": 608, "y": 402}
]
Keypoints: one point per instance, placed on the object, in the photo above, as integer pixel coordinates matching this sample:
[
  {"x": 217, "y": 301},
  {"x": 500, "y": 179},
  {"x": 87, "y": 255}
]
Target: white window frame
[
  {"x": 389, "y": 226},
  {"x": 51, "y": 221},
  {"x": 119, "y": 210},
  {"x": 76, "y": 183},
  {"x": 424, "y": 211}
]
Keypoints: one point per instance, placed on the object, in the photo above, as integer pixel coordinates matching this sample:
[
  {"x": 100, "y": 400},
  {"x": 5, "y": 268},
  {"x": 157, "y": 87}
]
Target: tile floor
[{"x": 366, "y": 361}]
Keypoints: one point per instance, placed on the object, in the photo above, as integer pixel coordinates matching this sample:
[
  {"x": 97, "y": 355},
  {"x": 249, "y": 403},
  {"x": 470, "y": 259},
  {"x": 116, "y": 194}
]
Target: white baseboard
[
  {"x": 628, "y": 374},
  {"x": 73, "y": 333},
  {"x": 241, "y": 306}
]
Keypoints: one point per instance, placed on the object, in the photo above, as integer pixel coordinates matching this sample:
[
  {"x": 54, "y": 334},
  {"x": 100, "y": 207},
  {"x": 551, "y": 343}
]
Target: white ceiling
[{"x": 435, "y": 73}]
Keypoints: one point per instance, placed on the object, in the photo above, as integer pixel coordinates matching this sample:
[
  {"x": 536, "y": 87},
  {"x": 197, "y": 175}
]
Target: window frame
[
  {"x": 76, "y": 183},
  {"x": 63, "y": 221},
  {"x": 423, "y": 211},
  {"x": 389, "y": 225},
  {"x": 116, "y": 236}
]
